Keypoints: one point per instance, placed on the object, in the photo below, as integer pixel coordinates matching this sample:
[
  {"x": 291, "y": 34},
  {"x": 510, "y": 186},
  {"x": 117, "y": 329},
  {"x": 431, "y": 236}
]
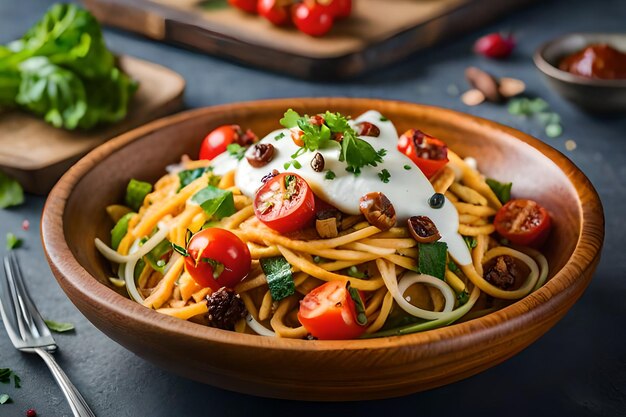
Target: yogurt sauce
[{"x": 408, "y": 190}]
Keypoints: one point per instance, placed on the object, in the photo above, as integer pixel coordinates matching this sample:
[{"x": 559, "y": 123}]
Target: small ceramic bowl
[
  {"x": 593, "y": 95},
  {"x": 322, "y": 369}
]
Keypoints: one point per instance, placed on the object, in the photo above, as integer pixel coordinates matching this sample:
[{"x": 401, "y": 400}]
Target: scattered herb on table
[
  {"x": 11, "y": 192},
  {"x": 4, "y": 398},
  {"x": 6, "y": 375},
  {"x": 539, "y": 108},
  {"x": 59, "y": 327},
  {"x": 13, "y": 242}
]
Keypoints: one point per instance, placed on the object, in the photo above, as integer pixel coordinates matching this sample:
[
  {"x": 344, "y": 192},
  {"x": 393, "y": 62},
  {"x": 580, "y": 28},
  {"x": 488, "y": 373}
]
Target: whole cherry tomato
[
  {"x": 523, "y": 222},
  {"x": 428, "y": 153},
  {"x": 245, "y": 5},
  {"x": 276, "y": 11},
  {"x": 312, "y": 18},
  {"x": 328, "y": 312},
  {"x": 340, "y": 9},
  {"x": 495, "y": 45},
  {"x": 217, "y": 258},
  {"x": 285, "y": 203},
  {"x": 218, "y": 140}
]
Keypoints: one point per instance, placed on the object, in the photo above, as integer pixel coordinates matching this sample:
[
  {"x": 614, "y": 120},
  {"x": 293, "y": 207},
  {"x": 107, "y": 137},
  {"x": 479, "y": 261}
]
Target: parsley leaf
[
  {"x": 188, "y": 176},
  {"x": 215, "y": 202},
  {"x": 432, "y": 259},
  {"x": 330, "y": 175},
  {"x": 501, "y": 190},
  {"x": 357, "y": 153},
  {"x": 290, "y": 119},
  {"x": 279, "y": 136},
  {"x": 384, "y": 176},
  {"x": 279, "y": 278},
  {"x": 13, "y": 241},
  {"x": 236, "y": 150},
  {"x": 11, "y": 192},
  {"x": 59, "y": 327},
  {"x": 407, "y": 167}
]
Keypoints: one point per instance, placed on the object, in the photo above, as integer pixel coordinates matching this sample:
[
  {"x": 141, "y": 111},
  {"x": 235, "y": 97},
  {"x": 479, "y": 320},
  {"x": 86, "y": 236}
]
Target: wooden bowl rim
[
  {"x": 554, "y": 72},
  {"x": 510, "y": 319}
]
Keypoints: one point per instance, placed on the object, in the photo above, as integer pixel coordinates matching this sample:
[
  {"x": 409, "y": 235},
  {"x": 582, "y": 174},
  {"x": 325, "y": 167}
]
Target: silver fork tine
[
  {"x": 32, "y": 328},
  {"x": 33, "y": 319},
  {"x": 20, "y": 314}
]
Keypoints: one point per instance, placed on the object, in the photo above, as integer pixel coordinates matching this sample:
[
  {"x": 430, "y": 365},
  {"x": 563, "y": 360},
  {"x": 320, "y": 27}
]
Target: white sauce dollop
[{"x": 408, "y": 190}]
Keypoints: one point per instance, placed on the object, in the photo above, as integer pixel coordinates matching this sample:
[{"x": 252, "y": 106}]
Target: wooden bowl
[
  {"x": 590, "y": 94},
  {"x": 321, "y": 370}
]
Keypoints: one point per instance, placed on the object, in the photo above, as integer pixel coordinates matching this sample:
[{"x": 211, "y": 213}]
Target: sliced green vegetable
[
  {"x": 13, "y": 242},
  {"x": 188, "y": 176},
  {"x": 11, "y": 192},
  {"x": 500, "y": 189},
  {"x": 359, "y": 305},
  {"x": 154, "y": 257},
  {"x": 59, "y": 327},
  {"x": 470, "y": 241},
  {"x": 432, "y": 259},
  {"x": 136, "y": 192},
  {"x": 279, "y": 279},
  {"x": 120, "y": 229},
  {"x": 215, "y": 202}
]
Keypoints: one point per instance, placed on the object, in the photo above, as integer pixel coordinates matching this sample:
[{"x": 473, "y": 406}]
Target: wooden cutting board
[
  {"x": 377, "y": 34},
  {"x": 37, "y": 154}
]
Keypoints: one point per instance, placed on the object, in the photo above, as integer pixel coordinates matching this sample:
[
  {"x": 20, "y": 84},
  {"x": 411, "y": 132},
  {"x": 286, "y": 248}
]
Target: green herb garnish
[
  {"x": 215, "y": 201},
  {"x": 216, "y": 265},
  {"x": 279, "y": 136},
  {"x": 4, "y": 398},
  {"x": 13, "y": 242},
  {"x": 181, "y": 250},
  {"x": 59, "y": 327},
  {"x": 330, "y": 175},
  {"x": 236, "y": 150},
  {"x": 407, "y": 167},
  {"x": 470, "y": 241},
  {"x": 188, "y": 176},
  {"x": 384, "y": 176},
  {"x": 432, "y": 259},
  {"x": 355, "y": 152},
  {"x": 359, "y": 305},
  {"x": 500, "y": 189},
  {"x": 354, "y": 272},
  {"x": 11, "y": 192},
  {"x": 462, "y": 297},
  {"x": 452, "y": 267},
  {"x": 383, "y": 118},
  {"x": 5, "y": 377},
  {"x": 279, "y": 279}
]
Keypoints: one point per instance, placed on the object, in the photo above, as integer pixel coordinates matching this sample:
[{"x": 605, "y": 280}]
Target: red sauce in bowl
[{"x": 596, "y": 61}]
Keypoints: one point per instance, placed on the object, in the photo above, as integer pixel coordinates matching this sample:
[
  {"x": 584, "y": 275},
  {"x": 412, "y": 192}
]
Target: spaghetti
[{"x": 382, "y": 266}]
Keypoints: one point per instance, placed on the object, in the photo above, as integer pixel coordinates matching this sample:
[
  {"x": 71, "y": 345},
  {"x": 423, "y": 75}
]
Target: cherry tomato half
[
  {"x": 285, "y": 203},
  {"x": 276, "y": 11},
  {"x": 217, "y": 258},
  {"x": 312, "y": 18},
  {"x": 245, "y": 5},
  {"x": 428, "y": 153},
  {"x": 523, "y": 222},
  {"x": 328, "y": 313},
  {"x": 218, "y": 140}
]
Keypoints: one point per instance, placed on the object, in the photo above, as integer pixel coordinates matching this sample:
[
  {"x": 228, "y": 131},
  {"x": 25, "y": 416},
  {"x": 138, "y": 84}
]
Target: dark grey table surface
[{"x": 577, "y": 369}]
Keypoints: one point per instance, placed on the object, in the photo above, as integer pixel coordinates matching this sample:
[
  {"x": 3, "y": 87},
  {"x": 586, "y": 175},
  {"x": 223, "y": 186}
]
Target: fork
[{"x": 28, "y": 331}]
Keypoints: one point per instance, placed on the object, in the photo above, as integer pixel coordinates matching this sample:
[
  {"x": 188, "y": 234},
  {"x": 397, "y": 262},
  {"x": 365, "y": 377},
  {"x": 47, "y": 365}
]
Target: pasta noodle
[{"x": 381, "y": 265}]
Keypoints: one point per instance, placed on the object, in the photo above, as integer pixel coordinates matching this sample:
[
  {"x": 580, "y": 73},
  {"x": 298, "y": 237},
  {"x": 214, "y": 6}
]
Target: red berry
[
  {"x": 312, "y": 18},
  {"x": 25, "y": 224},
  {"x": 495, "y": 45},
  {"x": 31, "y": 412}
]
